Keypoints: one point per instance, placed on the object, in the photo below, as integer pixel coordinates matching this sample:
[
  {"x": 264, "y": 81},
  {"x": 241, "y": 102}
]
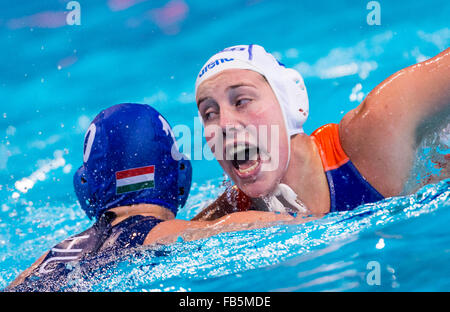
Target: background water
[{"x": 54, "y": 78}]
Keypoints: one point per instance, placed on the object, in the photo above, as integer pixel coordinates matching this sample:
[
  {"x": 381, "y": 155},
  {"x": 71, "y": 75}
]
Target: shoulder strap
[{"x": 329, "y": 145}]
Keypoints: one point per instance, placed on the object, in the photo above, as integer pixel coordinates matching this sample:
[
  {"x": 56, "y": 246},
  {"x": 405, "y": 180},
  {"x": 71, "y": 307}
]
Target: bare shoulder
[
  {"x": 167, "y": 231},
  {"x": 379, "y": 146},
  {"x": 381, "y": 135}
]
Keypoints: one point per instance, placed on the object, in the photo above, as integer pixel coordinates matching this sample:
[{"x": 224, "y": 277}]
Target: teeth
[{"x": 249, "y": 168}]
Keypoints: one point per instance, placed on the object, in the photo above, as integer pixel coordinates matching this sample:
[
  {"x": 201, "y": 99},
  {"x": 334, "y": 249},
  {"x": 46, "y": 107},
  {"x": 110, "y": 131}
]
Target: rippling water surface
[
  {"x": 54, "y": 78},
  {"x": 406, "y": 237}
]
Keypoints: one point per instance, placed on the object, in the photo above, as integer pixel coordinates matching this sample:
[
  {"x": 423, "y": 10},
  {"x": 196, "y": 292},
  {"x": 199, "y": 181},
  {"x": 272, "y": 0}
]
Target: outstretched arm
[
  {"x": 169, "y": 231},
  {"x": 382, "y": 134}
]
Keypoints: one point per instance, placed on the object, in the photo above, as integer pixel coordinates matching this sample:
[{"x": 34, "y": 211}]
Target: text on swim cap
[
  {"x": 213, "y": 64},
  {"x": 234, "y": 49},
  {"x": 248, "y": 48}
]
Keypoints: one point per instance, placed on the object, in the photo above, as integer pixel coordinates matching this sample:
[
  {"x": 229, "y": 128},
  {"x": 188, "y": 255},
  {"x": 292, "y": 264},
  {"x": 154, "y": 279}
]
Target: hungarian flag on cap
[{"x": 135, "y": 179}]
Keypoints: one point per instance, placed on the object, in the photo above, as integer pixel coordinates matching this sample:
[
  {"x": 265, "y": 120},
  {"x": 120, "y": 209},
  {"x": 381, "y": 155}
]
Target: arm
[
  {"x": 382, "y": 134},
  {"x": 169, "y": 231}
]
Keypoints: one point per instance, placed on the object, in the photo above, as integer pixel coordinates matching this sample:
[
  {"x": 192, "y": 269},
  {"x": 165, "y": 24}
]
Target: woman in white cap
[{"x": 366, "y": 157}]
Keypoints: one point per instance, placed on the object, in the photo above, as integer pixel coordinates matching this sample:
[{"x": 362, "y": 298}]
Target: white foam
[{"x": 45, "y": 166}]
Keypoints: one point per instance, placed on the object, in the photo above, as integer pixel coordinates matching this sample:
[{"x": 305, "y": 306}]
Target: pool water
[{"x": 55, "y": 78}]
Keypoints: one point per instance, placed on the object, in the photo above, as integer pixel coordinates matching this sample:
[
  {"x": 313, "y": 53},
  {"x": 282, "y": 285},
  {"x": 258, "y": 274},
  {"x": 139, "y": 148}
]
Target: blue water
[{"x": 54, "y": 78}]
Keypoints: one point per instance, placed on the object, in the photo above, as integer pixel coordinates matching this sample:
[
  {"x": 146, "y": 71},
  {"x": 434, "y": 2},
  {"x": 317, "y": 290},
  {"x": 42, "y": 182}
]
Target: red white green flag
[{"x": 135, "y": 179}]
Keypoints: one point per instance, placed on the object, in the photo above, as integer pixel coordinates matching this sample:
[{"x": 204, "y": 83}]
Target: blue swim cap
[{"x": 130, "y": 157}]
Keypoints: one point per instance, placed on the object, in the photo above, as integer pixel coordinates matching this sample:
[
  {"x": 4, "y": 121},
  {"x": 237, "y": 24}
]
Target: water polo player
[
  {"x": 129, "y": 182},
  {"x": 366, "y": 157}
]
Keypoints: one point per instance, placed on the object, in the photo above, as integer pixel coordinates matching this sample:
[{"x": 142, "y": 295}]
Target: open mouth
[{"x": 245, "y": 159}]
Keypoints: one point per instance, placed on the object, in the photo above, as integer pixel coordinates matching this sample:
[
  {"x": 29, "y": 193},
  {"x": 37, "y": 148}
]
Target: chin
[{"x": 259, "y": 188}]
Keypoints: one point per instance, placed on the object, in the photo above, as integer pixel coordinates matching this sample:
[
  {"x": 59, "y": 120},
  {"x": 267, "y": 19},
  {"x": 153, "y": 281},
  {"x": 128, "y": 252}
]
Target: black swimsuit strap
[{"x": 103, "y": 230}]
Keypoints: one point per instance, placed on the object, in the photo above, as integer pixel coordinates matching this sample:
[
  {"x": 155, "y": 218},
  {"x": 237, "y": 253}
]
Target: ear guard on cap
[
  {"x": 81, "y": 187},
  {"x": 184, "y": 180}
]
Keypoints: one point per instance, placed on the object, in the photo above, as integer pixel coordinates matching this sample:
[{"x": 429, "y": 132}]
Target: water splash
[{"x": 239, "y": 261}]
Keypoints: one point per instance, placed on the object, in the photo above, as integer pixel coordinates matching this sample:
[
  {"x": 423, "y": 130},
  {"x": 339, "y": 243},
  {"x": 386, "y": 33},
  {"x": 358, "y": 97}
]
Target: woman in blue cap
[{"x": 131, "y": 180}]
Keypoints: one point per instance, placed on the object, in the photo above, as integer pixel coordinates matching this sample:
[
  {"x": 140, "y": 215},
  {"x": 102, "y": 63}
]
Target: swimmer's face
[{"x": 245, "y": 129}]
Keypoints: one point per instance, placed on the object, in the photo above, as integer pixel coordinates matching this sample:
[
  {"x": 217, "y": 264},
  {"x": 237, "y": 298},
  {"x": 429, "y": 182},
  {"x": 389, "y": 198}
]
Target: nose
[{"x": 230, "y": 120}]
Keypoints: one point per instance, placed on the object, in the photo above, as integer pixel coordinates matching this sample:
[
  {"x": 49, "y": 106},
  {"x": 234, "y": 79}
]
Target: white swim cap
[{"x": 286, "y": 83}]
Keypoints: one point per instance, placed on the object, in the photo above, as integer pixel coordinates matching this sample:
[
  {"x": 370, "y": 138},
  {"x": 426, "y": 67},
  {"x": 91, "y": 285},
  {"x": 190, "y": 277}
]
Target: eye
[
  {"x": 242, "y": 101},
  {"x": 209, "y": 114}
]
